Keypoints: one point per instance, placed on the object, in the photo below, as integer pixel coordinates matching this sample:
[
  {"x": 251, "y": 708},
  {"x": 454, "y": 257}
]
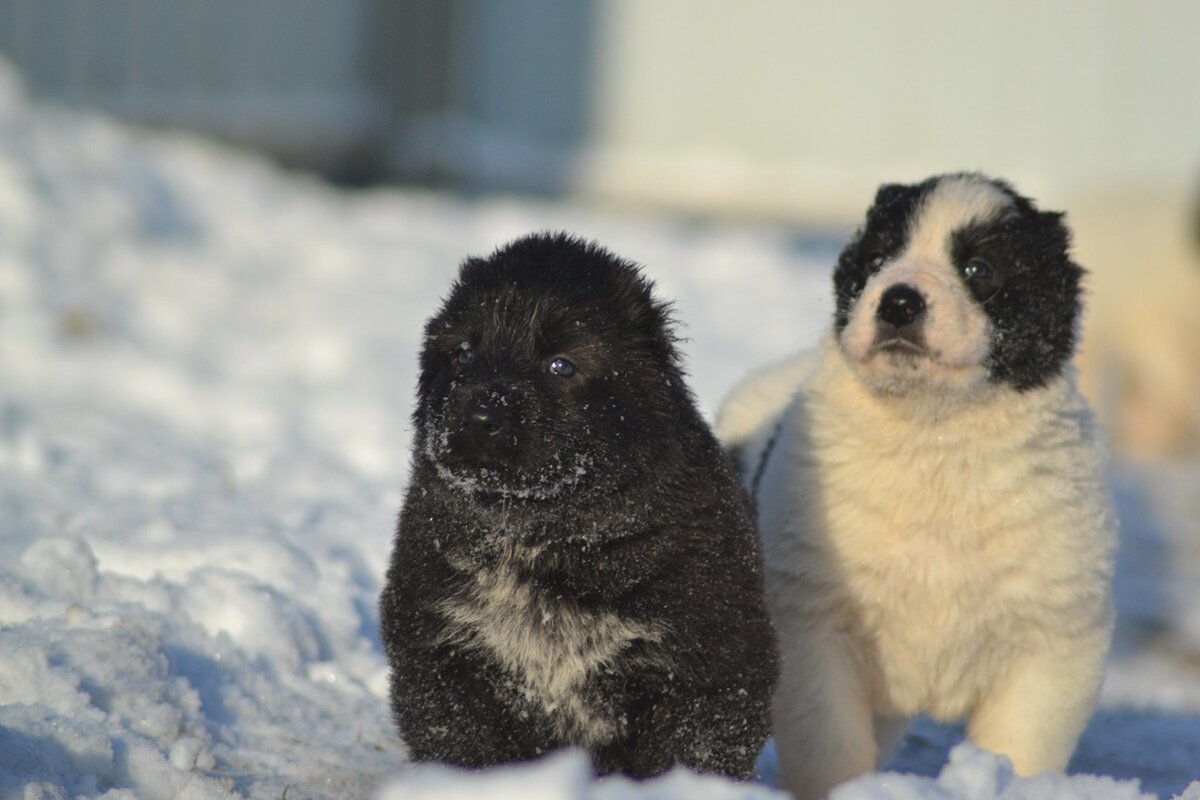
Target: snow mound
[
  {"x": 565, "y": 776},
  {"x": 975, "y": 774}
]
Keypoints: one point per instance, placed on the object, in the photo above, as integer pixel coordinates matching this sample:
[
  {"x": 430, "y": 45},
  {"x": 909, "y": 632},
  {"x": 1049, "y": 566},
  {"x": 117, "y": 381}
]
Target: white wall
[
  {"x": 794, "y": 108},
  {"x": 804, "y": 107}
]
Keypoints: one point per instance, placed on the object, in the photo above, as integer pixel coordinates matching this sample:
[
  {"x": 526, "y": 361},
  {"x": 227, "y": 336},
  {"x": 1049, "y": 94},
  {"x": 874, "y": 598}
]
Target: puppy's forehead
[
  {"x": 952, "y": 204},
  {"x": 518, "y": 316}
]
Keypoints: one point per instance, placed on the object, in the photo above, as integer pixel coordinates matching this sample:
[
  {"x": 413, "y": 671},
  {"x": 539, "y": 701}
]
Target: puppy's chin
[
  {"x": 898, "y": 367},
  {"x": 486, "y": 478}
]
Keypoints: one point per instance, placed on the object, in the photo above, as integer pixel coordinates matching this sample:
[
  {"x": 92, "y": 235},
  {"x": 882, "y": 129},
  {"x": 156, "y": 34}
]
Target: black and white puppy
[
  {"x": 576, "y": 563},
  {"x": 936, "y": 527}
]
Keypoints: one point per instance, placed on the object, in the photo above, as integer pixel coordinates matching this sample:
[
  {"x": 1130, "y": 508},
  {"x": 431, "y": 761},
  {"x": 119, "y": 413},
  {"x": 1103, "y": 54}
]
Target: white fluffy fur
[
  {"x": 942, "y": 545},
  {"x": 749, "y": 416}
]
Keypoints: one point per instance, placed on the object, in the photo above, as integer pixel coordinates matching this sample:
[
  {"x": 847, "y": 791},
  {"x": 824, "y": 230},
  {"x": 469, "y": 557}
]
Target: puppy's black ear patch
[
  {"x": 889, "y": 194},
  {"x": 1035, "y": 314},
  {"x": 1055, "y": 219}
]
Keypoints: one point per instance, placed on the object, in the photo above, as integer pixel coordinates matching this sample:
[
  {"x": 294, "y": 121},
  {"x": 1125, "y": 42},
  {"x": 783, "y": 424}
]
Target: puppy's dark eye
[
  {"x": 464, "y": 354},
  {"x": 977, "y": 270},
  {"x": 563, "y": 367}
]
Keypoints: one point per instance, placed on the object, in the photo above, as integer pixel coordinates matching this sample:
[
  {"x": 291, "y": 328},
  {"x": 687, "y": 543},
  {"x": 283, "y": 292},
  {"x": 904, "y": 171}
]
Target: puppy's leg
[
  {"x": 889, "y": 731},
  {"x": 1035, "y": 713},
  {"x": 720, "y": 731},
  {"x": 824, "y": 727},
  {"x": 447, "y": 710}
]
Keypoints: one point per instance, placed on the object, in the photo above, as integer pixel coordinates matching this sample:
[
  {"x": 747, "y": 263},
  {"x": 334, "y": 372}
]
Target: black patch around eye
[
  {"x": 986, "y": 254},
  {"x": 982, "y": 273},
  {"x": 1030, "y": 293},
  {"x": 881, "y": 238}
]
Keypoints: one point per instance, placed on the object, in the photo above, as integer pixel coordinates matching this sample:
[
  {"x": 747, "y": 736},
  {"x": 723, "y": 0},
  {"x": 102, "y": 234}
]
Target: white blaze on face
[{"x": 955, "y": 330}]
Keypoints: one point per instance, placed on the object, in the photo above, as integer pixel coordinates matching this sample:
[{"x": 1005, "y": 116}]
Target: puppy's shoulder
[{"x": 750, "y": 413}]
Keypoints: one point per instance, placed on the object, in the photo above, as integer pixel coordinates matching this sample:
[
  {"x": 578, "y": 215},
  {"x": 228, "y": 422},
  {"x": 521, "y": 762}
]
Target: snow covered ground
[{"x": 206, "y": 368}]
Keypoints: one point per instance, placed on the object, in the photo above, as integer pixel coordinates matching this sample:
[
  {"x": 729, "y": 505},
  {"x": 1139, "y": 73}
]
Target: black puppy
[{"x": 575, "y": 562}]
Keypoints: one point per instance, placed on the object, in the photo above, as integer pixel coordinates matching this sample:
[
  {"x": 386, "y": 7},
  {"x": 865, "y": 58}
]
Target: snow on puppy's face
[
  {"x": 549, "y": 370},
  {"x": 954, "y": 284}
]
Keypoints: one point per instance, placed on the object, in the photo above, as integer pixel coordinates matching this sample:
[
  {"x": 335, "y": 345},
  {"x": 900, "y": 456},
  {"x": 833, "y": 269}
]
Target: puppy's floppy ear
[
  {"x": 889, "y": 194},
  {"x": 1054, "y": 219},
  {"x": 1054, "y": 230}
]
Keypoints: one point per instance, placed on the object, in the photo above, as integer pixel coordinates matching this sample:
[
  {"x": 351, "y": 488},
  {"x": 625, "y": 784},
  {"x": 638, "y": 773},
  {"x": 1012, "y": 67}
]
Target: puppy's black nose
[
  {"x": 901, "y": 305},
  {"x": 483, "y": 416}
]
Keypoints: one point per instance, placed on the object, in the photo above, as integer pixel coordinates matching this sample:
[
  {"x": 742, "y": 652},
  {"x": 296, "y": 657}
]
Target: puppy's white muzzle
[{"x": 949, "y": 334}]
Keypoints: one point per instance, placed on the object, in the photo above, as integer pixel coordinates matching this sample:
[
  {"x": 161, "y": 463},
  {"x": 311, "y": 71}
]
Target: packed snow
[{"x": 206, "y": 373}]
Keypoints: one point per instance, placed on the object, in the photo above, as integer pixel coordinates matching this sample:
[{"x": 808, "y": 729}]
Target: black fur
[
  {"x": 604, "y": 493},
  {"x": 1032, "y": 295}
]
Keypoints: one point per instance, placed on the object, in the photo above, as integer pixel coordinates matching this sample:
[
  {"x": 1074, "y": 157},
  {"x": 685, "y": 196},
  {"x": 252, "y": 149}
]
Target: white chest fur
[
  {"x": 549, "y": 646},
  {"x": 941, "y": 543}
]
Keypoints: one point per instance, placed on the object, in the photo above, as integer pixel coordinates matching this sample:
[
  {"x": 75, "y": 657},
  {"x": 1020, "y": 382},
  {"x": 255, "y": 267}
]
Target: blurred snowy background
[{"x": 207, "y": 360}]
